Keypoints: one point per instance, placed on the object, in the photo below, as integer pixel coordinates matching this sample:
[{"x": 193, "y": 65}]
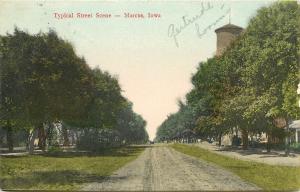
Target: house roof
[
  {"x": 229, "y": 26},
  {"x": 295, "y": 124}
]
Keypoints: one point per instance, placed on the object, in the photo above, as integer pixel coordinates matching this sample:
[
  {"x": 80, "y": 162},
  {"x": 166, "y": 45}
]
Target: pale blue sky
[{"x": 152, "y": 71}]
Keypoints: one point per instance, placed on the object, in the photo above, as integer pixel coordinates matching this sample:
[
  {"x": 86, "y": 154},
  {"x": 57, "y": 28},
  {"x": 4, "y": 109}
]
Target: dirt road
[{"x": 162, "y": 168}]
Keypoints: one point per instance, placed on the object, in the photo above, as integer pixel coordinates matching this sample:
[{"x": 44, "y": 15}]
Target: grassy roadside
[
  {"x": 63, "y": 171},
  {"x": 268, "y": 177}
]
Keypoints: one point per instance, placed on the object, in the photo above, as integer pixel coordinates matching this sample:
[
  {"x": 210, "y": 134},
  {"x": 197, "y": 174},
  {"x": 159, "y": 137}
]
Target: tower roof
[{"x": 228, "y": 26}]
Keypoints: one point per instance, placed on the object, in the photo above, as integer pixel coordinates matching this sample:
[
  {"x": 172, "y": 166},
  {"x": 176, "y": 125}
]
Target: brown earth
[{"x": 161, "y": 168}]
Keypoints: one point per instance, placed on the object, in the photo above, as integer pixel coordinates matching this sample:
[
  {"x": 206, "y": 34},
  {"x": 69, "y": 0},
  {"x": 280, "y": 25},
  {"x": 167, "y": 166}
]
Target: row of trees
[
  {"x": 180, "y": 125},
  {"x": 43, "y": 82},
  {"x": 251, "y": 87}
]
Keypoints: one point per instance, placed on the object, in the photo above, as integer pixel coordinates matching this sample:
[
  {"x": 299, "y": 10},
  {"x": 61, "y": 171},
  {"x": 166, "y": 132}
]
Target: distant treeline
[
  {"x": 44, "y": 83},
  {"x": 250, "y": 88}
]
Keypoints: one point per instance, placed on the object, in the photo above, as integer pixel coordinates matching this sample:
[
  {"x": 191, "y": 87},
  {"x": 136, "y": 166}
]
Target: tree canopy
[
  {"x": 44, "y": 81},
  {"x": 253, "y": 83}
]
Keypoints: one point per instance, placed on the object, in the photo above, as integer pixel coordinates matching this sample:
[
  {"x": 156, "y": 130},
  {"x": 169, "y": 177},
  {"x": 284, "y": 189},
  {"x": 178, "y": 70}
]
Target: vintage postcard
[{"x": 196, "y": 95}]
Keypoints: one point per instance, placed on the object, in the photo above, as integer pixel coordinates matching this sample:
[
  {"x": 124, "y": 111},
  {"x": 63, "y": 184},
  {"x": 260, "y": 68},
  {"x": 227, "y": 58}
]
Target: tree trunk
[
  {"x": 32, "y": 137},
  {"x": 42, "y": 137},
  {"x": 269, "y": 138},
  {"x": 73, "y": 138},
  {"x": 49, "y": 133},
  {"x": 220, "y": 139},
  {"x": 76, "y": 137},
  {"x": 287, "y": 138},
  {"x": 245, "y": 139},
  {"x": 9, "y": 137},
  {"x": 65, "y": 135}
]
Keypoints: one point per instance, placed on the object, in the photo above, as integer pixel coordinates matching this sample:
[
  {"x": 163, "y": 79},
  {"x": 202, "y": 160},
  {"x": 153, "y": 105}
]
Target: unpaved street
[{"x": 162, "y": 168}]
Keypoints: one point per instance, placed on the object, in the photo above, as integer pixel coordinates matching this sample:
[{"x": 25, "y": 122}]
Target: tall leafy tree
[{"x": 252, "y": 85}]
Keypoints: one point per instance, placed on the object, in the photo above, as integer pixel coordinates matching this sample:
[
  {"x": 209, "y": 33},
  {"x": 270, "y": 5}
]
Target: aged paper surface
[{"x": 120, "y": 95}]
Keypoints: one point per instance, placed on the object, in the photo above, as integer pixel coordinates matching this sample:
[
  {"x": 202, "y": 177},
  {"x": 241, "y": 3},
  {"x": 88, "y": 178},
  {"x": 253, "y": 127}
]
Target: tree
[
  {"x": 44, "y": 81},
  {"x": 253, "y": 83},
  {"x": 131, "y": 126}
]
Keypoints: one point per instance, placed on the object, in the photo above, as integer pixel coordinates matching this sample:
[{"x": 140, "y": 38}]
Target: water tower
[{"x": 225, "y": 35}]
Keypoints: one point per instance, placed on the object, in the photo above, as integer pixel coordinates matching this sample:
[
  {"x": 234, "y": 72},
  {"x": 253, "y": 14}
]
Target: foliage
[
  {"x": 54, "y": 149},
  {"x": 177, "y": 124},
  {"x": 131, "y": 126},
  {"x": 295, "y": 147},
  {"x": 253, "y": 83},
  {"x": 43, "y": 81}
]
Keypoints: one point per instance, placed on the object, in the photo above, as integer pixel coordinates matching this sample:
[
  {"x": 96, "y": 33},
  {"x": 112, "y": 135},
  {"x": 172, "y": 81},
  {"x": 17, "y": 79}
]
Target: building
[{"x": 225, "y": 35}]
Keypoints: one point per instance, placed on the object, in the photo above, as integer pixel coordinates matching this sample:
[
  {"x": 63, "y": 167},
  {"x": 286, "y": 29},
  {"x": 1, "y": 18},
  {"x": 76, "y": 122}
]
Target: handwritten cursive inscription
[
  {"x": 174, "y": 31},
  {"x": 200, "y": 33}
]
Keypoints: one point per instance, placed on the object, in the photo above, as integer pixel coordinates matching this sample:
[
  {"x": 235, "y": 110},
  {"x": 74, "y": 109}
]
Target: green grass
[
  {"x": 62, "y": 171},
  {"x": 265, "y": 176}
]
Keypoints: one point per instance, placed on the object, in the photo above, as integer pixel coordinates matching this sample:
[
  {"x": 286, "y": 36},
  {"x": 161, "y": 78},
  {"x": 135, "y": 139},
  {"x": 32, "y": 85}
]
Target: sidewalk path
[{"x": 258, "y": 155}]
